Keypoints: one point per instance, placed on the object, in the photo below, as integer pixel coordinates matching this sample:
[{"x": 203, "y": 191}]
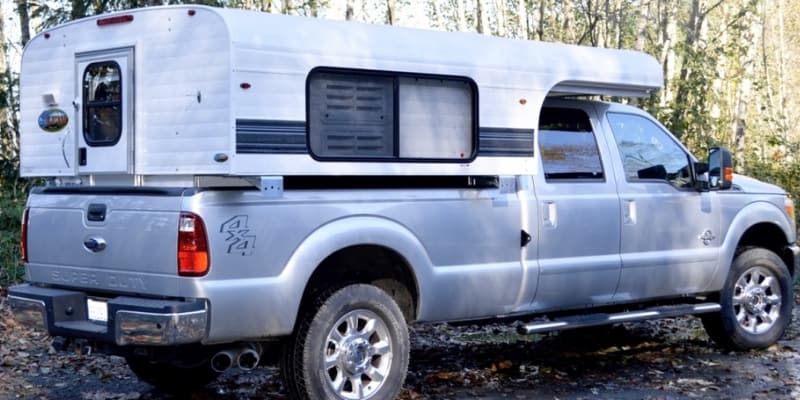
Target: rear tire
[
  {"x": 353, "y": 344},
  {"x": 172, "y": 378},
  {"x": 756, "y": 302}
]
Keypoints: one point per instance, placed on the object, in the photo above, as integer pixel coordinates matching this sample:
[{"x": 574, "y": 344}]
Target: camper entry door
[{"x": 105, "y": 113}]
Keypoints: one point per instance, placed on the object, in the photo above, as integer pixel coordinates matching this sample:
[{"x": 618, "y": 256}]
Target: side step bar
[{"x": 583, "y": 321}]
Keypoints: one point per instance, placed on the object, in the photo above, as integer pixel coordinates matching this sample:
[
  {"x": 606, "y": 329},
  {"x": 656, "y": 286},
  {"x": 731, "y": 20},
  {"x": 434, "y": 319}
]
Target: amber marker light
[{"x": 729, "y": 174}]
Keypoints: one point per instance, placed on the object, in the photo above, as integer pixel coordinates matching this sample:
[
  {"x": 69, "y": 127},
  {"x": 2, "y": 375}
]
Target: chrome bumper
[
  {"x": 130, "y": 320},
  {"x": 142, "y": 328},
  {"x": 795, "y": 252}
]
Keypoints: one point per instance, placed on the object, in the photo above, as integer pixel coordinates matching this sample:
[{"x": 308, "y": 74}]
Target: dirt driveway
[{"x": 671, "y": 359}]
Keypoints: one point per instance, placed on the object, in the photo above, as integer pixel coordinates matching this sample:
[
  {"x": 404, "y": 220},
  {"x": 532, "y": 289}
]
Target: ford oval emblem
[{"x": 53, "y": 120}]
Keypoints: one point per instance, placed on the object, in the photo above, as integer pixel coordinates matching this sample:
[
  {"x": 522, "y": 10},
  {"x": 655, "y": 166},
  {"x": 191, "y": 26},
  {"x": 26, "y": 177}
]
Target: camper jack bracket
[{"x": 269, "y": 186}]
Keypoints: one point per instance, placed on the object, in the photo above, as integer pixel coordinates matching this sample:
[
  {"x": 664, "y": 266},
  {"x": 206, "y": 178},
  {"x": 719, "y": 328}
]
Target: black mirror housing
[
  {"x": 700, "y": 168},
  {"x": 720, "y": 168}
]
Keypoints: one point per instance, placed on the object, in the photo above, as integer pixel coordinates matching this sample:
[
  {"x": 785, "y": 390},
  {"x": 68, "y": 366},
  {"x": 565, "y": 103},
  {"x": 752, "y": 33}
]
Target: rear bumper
[
  {"x": 129, "y": 320},
  {"x": 794, "y": 251}
]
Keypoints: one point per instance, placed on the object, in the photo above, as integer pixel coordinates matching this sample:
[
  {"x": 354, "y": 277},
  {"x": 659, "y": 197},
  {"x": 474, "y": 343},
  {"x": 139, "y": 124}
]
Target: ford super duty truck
[{"x": 228, "y": 188}]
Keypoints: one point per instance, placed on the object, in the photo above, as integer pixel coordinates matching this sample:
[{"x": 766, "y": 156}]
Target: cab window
[
  {"x": 648, "y": 152},
  {"x": 568, "y": 146},
  {"x": 102, "y": 104}
]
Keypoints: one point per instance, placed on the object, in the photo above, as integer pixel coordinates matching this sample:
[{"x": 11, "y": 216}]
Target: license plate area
[{"x": 97, "y": 310}]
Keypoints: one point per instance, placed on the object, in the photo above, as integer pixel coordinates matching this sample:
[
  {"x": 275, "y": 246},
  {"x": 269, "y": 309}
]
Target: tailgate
[{"x": 122, "y": 240}]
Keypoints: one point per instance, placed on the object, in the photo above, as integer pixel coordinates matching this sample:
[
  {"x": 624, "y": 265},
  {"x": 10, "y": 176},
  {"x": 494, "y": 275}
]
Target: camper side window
[
  {"x": 387, "y": 116},
  {"x": 102, "y": 104}
]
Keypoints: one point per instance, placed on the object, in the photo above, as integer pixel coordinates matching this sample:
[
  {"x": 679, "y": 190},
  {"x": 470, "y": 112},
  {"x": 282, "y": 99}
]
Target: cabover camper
[{"x": 226, "y": 187}]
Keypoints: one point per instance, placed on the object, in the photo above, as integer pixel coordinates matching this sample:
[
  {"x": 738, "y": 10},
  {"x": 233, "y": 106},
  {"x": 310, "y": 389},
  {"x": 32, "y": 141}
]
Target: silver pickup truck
[{"x": 617, "y": 222}]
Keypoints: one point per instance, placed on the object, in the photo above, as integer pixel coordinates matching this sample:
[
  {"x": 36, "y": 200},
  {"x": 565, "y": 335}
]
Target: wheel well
[
  {"x": 768, "y": 236},
  {"x": 370, "y": 264}
]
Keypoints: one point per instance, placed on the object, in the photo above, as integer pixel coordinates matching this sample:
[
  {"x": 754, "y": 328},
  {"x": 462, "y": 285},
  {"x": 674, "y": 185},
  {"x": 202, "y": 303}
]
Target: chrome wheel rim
[
  {"x": 757, "y": 300},
  {"x": 357, "y": 355}
]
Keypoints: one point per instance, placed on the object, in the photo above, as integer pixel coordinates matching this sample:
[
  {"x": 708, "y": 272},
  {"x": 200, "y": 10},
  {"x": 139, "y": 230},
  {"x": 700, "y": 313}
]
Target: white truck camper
[
  {"x": 179, "y": 96},
  {"x": 228, "y": 188}
]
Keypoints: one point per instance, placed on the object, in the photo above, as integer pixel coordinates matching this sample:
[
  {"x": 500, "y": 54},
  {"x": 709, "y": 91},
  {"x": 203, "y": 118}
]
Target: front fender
[{"x": 750, "y": 215}]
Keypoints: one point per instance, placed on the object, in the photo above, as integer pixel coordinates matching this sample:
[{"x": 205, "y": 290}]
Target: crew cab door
[
  {"x": 105, "y": 111},
  {"x": 670, "y": 231},
  {"x": 578, "y": 211}
]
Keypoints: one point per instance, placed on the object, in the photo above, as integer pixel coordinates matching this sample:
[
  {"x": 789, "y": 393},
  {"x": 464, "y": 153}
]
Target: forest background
[{"x": 729, "y": 67}]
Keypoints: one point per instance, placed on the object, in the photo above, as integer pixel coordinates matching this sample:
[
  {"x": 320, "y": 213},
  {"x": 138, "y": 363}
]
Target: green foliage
[
  {"x": 778, "y": 166},
  {"x": 12, "y": 203}
]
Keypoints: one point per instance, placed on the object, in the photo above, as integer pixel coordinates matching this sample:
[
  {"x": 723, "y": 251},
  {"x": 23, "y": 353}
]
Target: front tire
[
  {"x": 352, "y": 345},
  {"x": 756, "y": 302}
]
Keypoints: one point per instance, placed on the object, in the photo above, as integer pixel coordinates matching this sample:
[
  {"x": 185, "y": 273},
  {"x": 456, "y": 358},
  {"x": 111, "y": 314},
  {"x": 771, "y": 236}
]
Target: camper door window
[
  {"x": 102, "y": 104},
  {"x": 387, "y": 116}
]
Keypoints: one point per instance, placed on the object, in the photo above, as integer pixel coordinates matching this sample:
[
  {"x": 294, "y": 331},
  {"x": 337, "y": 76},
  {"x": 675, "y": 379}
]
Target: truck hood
[{"x": 750, "y": 185}]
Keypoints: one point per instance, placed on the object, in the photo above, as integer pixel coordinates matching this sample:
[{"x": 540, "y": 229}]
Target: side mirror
[{"x": 720, "y": 169}]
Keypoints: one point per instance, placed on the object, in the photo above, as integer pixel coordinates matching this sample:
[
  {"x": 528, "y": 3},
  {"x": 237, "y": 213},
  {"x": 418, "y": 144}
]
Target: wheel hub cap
[
  {"x": 757, "y": 300},
  {"x": 357, "y": 355}
]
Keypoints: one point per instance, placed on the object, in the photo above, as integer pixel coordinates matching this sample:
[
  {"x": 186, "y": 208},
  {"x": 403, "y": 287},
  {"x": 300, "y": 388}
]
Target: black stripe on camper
[
  {"x": 505, "y": 142},
  {"x": 255, "y": 136},
  {"x": 289, "y": 137}
]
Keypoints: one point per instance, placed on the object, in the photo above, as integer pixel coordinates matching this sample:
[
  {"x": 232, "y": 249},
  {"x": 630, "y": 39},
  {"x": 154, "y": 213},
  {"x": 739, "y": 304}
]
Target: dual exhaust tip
[{"x": 245, "y": 358}]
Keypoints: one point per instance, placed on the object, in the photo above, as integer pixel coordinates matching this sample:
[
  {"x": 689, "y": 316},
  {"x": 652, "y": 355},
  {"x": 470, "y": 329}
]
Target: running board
[{"x": 583, "y": 321}]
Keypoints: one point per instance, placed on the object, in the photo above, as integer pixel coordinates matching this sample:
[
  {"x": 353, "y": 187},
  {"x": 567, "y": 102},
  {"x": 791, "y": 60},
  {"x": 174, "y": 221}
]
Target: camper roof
[{"x": 551, "y": 67}]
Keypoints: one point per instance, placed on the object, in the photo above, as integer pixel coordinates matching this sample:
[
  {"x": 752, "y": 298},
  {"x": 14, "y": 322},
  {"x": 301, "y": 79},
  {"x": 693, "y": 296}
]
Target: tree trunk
[
  {"x": 668, "y": 30},
  {"x": 523, "y": 20},
  {"x": 313, "y": 8},
  {"x": 9, "y": 143},
  {"x": 744, "y": 93},
  {"x": 540, "y": 29},
  {"x": 24, "y": 21},
  {"x": 642, "y": 22},
  {"x": 348, "y": 10},
  {"x": 501, "y": 17},
  {"x": 79, "y": 9},
  {"x": 391, "y": 12},
  {"x": 287, "y": 6},
  {"x": 481, "y": 17},
  {"x": 460, "y": 15}
]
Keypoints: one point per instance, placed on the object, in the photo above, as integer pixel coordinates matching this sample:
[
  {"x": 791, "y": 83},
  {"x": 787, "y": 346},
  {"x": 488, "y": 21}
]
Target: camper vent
[
  {"x": 505, "y": 142},
  {"x": 270, "y": 137}
]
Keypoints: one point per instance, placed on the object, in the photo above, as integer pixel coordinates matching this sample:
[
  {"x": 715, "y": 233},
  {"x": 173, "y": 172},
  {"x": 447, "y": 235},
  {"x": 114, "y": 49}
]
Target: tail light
[
  {"x": 192, "y": 246},
  {"x": 23, "y": 237}
]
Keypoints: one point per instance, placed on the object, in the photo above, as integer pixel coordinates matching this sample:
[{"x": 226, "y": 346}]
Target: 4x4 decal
[{"x": 238, "y": 239}]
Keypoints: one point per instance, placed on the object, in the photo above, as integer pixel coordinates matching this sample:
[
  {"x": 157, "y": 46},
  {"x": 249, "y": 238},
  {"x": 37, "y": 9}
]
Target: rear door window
[
  {"x": 102, "y": 104},
  {"x": 568, "y": 146}
]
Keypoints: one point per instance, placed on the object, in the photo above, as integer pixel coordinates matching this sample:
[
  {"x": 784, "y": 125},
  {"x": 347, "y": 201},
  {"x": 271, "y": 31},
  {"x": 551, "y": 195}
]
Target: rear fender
[{"x": 340, "y": 234}]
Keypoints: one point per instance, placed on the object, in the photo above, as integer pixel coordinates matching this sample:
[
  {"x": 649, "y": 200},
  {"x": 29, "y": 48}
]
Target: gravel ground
[{"x": 669, "y": 359}]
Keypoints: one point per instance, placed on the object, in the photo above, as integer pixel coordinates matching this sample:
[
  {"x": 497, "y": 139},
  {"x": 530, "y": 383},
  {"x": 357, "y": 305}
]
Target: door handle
[
  {"x": 629, "y": 212},
  {"x": 96, "y": 212},
  {"x": 550, "y": 214},
  {"x": 95, "y": 244}
]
